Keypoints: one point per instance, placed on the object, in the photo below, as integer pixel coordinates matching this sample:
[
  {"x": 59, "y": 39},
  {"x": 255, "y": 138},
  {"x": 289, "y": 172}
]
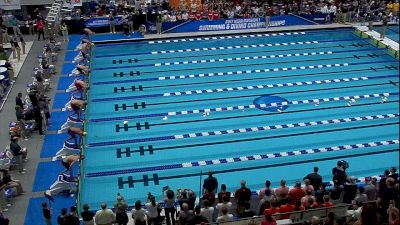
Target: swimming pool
[{"x": 253, "y": 107}]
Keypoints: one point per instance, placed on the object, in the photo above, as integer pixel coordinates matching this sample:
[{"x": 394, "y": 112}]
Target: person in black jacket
[
  {"x": 62, "y": 218},
  {"x": 38, "y": 119},
  {"x": 18, "y": 100},
  {"x": 72, "y": 218},
  {"x": 46, "y": 213},
  {"x": 18, "y": 153}
]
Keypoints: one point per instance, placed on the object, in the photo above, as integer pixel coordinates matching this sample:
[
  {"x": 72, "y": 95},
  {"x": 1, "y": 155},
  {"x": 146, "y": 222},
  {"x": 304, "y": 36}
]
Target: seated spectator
[
  {"x": 282, "y": 193},
  {"x": 308, "y": 186},
  {"x": 368, "y": 216},
  {"x": 142, "y": 29},
  {"x": 225, "y": 203},
  {"x": 222, "y": 193},
  {"x": 370, "y": 188},
  {"x": 389, "y": 195},
  {"x": 8, "y": 182},
  {"x": 247, "y": 211},
  {"x": 335, "y": 192},
  {"x": 242, "y": 195},
  {"x": 198, "y": 218},
  {"x": 120, "y": 207},
  {"x": 296, "y": 193},
  {"x": 308, "y": 201},
  {"x": 72, "y": 218},
  {"x": 225, "y": 216},
  {"x": 268, "y": 219},
  {"x": 185, "y": 214},
  {"x": 327, "y": 202},
  {"x": 286, "y": 209},
  {"x": 207, "y": 211},
  {"x": 349, "y": 190},
  {"x": 320, "y": 193},
  {"x": 330, "y": 219},
  {"x": 210, "y": 197},
  {"x": 361, "y": 196},
  {"x": 393, "y": 215}
]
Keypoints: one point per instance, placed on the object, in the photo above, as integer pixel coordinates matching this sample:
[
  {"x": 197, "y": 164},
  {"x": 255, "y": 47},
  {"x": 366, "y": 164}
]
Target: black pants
[
  {"x": 42, "y": 33},
  {"x": 170, "y": 215}
]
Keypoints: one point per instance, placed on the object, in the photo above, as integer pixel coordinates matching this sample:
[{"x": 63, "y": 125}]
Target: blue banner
[
  {"x": 102, "y": 22},
  {"x": 234, "y": 24}
]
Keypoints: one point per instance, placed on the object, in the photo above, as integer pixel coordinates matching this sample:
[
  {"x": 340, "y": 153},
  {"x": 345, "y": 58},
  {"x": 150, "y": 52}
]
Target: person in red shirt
[
  {"x": 286, "y": 208},
  {"x": 327, "y": 202},
  {"x": 296, "y": 193},
  {"x": 40, "y": 27},
  {"x": 242, "y": 195},
  {"x": 268, "y": 219}
]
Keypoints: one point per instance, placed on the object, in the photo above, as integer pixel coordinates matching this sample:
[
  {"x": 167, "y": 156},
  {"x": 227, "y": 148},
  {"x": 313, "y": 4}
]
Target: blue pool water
[{"x": 253, "y": 107}]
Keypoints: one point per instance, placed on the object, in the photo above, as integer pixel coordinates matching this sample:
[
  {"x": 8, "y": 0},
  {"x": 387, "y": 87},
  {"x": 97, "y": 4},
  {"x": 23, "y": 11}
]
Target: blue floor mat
[
  {"x": 60, "y": 99},
  {"x": 52, "y": 144},
  {"x": 64, "y": 82},
  {"x": 69, "y": 56},
  {"x": 67, "y": 68},
  {"x": 47, "y": 173},
  {"x": 34, "y": 211},
  {"x": 58, "y": 119}
]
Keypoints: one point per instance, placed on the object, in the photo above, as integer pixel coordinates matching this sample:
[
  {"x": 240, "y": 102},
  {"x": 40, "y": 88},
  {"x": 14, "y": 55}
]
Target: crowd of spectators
[
  {"x": 374, "y": 202},
  {"x": 339, "y": 11}
]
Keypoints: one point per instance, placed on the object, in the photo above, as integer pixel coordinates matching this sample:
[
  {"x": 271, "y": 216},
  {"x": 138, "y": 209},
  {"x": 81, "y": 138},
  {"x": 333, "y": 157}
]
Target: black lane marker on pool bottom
[
  {"x": 121, "y": 182},
  {"x": 142, "y": 148},
  {"x": 125, "y": 106},
  {"x": 258, "y": 64},
  {"x": 126, "y": 127}
]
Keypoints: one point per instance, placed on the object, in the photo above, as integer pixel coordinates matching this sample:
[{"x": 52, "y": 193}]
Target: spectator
[
  {"x": 282, "y": 193},
  {"x": 267, "y": 193},
  {"x": 152, "y": 209},
  {"x": 185, "y": 214},
  {"x": 72, "y": 218},
  {"x": 307, "y": 199},
  {"x": 393, "y": 215},
  {"x": 349, "y": 190},
  {"x": 330, "y": 219},
  {"x": 339, "y": 173},
  {"x": 393, "y": 174},
  {"x": 327, "y": 202},
  {"x": 19, "y": 101},
  {"x": 268, "y": 219},
  {"x": 335, "y": 192},
  {"x": 40, "y": 29},
  {"x": 207, "y": 211},
  {"x": 368, "y": 216},
  {"x": 247, "y": 211},
  {"x": 296, "y": 193},
  {"x": 210, "y": 183},
  {"x": 138, "y": 214},
  {"x": 314, "y": 178},
  {"x": 370, "y": 189},
  {"x": 120, "y": 207},
  {"x": 62, "y": 218},
  {"x": 87, "y": 216},
  {"x": 210, "y": 197},
  {"x": 242, "y": 195},
  {"x": 286, "y": 209},
  {"x": 198, "y": 218},
  {"x": 319, "y": 195},
  {"x": 8, "y": 182},
  {"x": 46, "y": 213},
  {"x": 225, "y": 203},
  {"x": 18, "y": 153},
  {"x": 169, "y": 205},
  {"x": 388, "y": 194},
  {"x": 382, "y": 182},
  {"x": 225, "y": 217},
  {"x": 104, "y": 216},
  {"x": 111, "y": 20},
  {"x": 308, "y": 186},
  {"x": 361, "y": 197},
  {"x": 222, "y": 193}
]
